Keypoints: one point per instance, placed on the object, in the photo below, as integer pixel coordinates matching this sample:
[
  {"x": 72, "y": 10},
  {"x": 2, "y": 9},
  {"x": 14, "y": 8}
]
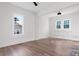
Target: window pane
[
  {"x": 58, "y": 24},
  {"x": 66, "y": 24},
  {"x": 18, "y": 24}
]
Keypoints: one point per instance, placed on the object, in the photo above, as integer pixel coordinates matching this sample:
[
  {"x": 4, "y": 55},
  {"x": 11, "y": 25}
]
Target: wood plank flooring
[{"x": 43, "y": 47}]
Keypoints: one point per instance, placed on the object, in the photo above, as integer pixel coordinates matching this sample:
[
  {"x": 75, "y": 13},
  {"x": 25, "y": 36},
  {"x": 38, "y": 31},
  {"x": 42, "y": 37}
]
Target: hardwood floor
[{"x": 43, "y": 47}]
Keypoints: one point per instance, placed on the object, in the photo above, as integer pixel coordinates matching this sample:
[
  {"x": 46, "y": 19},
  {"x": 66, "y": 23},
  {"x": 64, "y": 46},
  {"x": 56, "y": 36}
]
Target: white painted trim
[
  {"x": 66, "y": 38},
  {"x": 5, "y": 43}
]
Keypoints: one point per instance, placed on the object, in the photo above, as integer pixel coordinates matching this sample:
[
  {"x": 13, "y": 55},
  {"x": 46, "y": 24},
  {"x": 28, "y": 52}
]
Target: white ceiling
[{"x": 43, "y": 6}]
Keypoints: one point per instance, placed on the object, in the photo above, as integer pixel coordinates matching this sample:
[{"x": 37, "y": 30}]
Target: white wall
[
  {"x": 42, "y": 27},
  {"x": 7, "y": 12},
  {"x": 49, "y": 19},
  {"x": 72, "y": 33}
]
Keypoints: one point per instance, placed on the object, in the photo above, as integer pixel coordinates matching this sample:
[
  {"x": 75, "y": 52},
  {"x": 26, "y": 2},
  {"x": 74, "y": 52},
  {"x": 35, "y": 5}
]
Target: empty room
[{"x": 39, "y": 29}]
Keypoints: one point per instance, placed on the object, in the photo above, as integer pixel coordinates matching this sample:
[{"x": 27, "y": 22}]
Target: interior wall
[
  {"x": 42, "y": 27},
  {"x": 7, "y": 12},
  {"x": 71, "y": 33},
  {"x": 71, "y": 13}
]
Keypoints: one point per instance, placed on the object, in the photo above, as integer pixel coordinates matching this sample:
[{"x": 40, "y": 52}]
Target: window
[
  {"x": 58, "y": 24},
  {"x": 18, "y": 25},
  {"x": 66, "y": 24}
]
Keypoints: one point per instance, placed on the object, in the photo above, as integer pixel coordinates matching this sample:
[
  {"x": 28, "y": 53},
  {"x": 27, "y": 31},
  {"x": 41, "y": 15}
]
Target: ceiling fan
[{"x": 36, "y": 3}]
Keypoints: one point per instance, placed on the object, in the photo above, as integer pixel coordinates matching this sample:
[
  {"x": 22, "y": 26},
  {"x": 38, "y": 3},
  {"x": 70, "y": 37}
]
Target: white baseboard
[
  {"x": 9, "y": 43},
  {"x": 66, "y": 38},
  {"x": 38, "y": 38}
]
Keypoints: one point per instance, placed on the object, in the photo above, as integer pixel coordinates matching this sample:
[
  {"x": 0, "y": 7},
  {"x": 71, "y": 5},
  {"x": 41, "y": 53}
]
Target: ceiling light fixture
[
  {"x": 36, "y": 3},
  {"x": 59, "y": 13}
]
